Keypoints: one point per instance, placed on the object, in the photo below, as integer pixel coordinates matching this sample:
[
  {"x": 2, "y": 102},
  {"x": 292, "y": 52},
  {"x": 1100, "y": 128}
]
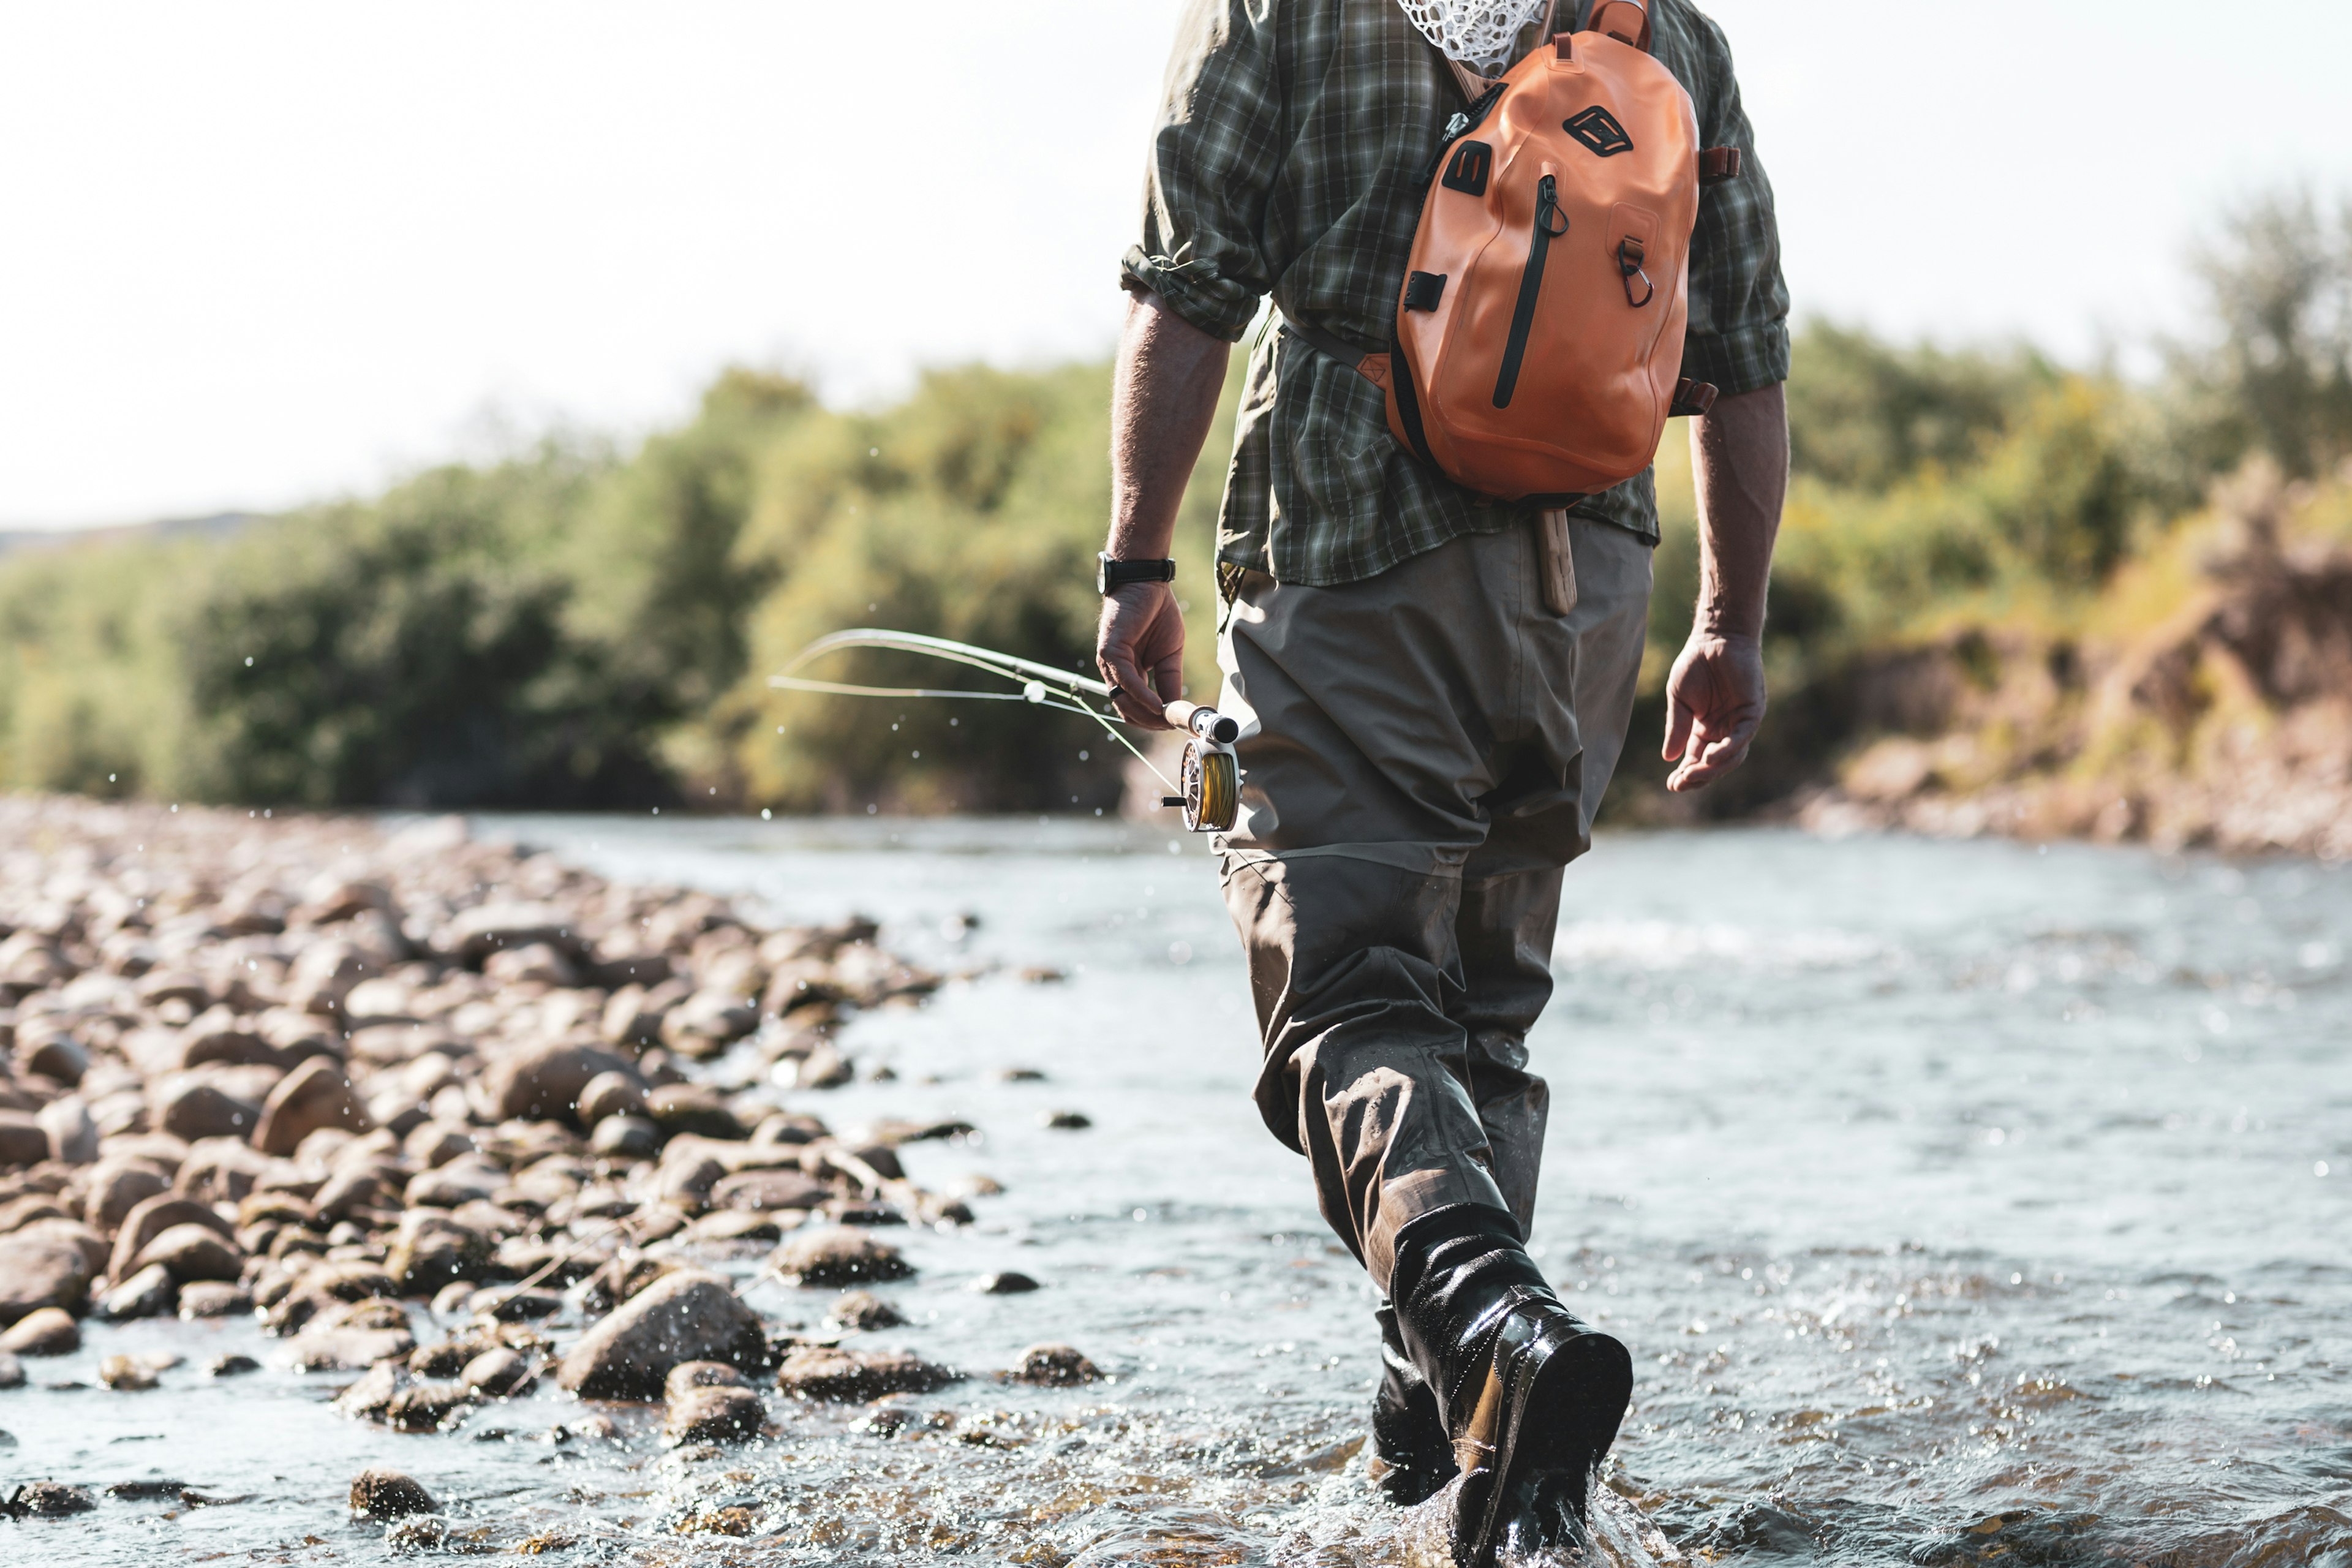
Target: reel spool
[
  {"x": 1211, "y": 776},
  {"x": 1211, "y": 781}
]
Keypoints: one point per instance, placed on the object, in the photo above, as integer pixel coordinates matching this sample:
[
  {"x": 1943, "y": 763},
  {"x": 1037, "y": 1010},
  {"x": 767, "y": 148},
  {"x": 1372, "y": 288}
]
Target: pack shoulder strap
[
  {"x": 1372, "y": 367},
  {"x": 1627, "y": 21}
]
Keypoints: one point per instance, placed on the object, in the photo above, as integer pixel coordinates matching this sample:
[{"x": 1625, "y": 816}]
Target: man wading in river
[{"x": 1426, "y": 735}]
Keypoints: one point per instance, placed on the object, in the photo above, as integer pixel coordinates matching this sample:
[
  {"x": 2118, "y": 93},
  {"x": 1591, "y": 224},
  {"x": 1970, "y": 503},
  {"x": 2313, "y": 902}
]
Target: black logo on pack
[
  {"x": 1598, "y": 128},
  {"x": 1467, "y": 170}
]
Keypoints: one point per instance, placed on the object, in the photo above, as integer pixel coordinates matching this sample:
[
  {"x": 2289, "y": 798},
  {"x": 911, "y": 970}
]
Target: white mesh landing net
[{"x": 1481, "y": 33}]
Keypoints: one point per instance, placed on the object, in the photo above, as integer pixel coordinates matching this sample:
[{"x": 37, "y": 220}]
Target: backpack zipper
[{"x": 1523, "y": 315}]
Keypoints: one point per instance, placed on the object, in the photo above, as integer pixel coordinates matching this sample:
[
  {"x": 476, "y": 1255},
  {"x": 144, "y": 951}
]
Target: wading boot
[
  {"x": 1530, "y": 1395},
  {"x": 1412, "y": 1458}
]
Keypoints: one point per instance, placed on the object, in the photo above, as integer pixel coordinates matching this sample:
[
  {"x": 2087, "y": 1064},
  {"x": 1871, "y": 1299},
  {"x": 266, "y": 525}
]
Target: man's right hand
[{"x": 1141, "y": 630}]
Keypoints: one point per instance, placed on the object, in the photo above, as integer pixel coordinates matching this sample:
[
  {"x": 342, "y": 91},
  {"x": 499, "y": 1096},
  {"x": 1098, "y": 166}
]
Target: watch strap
[{"x": 1111, "y": 574}]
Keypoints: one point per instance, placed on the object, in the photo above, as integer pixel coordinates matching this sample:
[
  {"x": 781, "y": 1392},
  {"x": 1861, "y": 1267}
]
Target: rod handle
[{"x": 1204, "y": 721}]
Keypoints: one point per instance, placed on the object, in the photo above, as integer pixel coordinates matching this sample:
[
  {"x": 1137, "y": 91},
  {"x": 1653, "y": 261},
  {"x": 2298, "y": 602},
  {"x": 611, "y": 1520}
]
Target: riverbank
[
  {"x": 2201, "y": 699},
  {"x": 450, "y": 1120}
]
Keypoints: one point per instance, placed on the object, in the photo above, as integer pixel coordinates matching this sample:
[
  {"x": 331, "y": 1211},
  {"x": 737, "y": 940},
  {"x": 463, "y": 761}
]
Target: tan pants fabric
[{"x": 1422, "y": 753}]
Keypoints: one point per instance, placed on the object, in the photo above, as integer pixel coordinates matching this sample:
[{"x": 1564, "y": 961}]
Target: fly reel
[{"x": 1211, "y": 775}]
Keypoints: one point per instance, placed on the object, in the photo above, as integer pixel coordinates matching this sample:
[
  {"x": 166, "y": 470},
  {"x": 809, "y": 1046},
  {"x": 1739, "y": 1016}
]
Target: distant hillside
[
  {"x": 2008, "y": 596},
  {"x": 219, "y": 525}
]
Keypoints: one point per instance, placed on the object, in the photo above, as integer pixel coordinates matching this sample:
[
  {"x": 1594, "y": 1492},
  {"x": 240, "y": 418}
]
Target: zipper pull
[{"x": 1547, "y": 208}]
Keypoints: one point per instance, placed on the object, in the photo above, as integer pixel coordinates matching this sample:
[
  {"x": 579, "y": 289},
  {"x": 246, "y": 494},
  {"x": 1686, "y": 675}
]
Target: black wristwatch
[{"x": 1110, "y": 573}]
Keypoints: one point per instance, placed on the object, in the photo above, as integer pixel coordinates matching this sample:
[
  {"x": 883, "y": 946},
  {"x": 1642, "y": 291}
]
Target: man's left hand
[{"x": 1715, "y": 700}]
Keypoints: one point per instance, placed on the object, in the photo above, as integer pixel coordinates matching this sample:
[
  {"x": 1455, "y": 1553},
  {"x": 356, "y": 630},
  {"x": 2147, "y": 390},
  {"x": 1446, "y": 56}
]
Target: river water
[{"x": 1960, "y": 1202}]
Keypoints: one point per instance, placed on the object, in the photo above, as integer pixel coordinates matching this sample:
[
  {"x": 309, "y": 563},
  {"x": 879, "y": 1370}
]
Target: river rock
[
  {"x": 52, "y": 1499},
  {"x": 770, "y": 1190},
  {"x": 349, "y": 1279},
  {"x": 692, "y": 1374},
  {"x": 729, "y": 1226},
  {"x": 684, "y": 1315},
  {"x": 357, "y": 1188},
  {"x": 473, "y": 1178},
  {"x": 864, "y": 1310},
  {"x": 39, "y": 1272},
  {"x": 610, "y": 1094},
  {"x": 693, "y": 1107},
  {"x": 315, "y": 1095},
  {"x": 496, "y": 1374},
  {"x": 118, "y": 1185},
  {"x": 824, "y": 1068},
  {"x": 23, "y": 1139},
  {"x": 349, "y": 1349},
  {"x": 713, "y": 1414},
  {"x": 150, "y": 1218},
  {"x": 505, "y": 1304},
  {"x": 625, "y": 1138},
  {"x": 192, "y": 1252},
  {"x": 633, "y": 1015},
  {"x": 126, "y": 1374},
  {"x": 476, "y": 933},
  {"x": 540, "y": 964},
  {"x": 149, "y": 1293},
  {"x": 18, "y": 1213},
  {"x": 73, "y": 1136},
  {"x": 430, "y": 1251},
  {"x": 618, "y": 1278},
  {"x": 218, "y": 1037},
  {"x": 190, "y": 1106},
  {"x": 838, "y": 1255},
  {"x": 434, "y": 1144},
  {"x": 53, "y": 1054},
  {"x": 426, "y": 1407},
  {"x": 220, "y": 1170},
  {"x": 543, "y": 1082},
  {"x": 846, "y": 1376},
  {"x": 46, "y": 1331},
  {"x": 1012, "y": 1282},
  {"x": 215, "y": 1298},
  {"x": 12, "y": 1371},
  {"x": 371, "y": 1395},
  {"x": 1054, "y": 1366},
  {"x": 163, "y": 1151},
  {"x": 389, "y": 1494}
]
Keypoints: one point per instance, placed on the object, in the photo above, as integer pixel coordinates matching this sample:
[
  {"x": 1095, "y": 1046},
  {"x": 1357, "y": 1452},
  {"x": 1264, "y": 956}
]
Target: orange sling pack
[{"x": 1537, "y": 351}]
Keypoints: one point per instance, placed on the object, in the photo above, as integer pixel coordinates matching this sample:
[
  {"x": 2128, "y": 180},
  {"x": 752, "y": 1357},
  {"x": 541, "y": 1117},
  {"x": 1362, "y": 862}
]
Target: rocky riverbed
[{"x": 455, "y": 1122}]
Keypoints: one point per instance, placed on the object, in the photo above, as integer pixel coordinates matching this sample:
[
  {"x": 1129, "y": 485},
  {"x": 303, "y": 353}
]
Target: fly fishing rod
[{"x": 1207, "y": 787}]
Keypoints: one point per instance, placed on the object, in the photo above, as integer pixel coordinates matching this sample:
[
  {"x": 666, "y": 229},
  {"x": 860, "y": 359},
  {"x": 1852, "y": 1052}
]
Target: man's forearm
[
  {"x": 1739, "y": 459},
  {"x": 1163, "y": 396}
]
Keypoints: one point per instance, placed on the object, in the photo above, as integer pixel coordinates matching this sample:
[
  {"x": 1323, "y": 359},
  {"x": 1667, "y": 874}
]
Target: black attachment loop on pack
[
  {"x": 1422, "y": 290},
  {"x": 1630, "y": 252},
  {"x": 1467, "y": 170}
]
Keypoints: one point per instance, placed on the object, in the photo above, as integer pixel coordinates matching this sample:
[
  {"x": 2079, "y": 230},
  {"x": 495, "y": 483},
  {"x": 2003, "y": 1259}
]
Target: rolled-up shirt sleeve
[
  {"x": 1215, "y": 153},
  {"x": 1739, "y": 332}
]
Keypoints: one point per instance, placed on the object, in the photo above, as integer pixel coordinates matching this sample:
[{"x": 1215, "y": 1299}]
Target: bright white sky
[{"x": 254, "y": 254}]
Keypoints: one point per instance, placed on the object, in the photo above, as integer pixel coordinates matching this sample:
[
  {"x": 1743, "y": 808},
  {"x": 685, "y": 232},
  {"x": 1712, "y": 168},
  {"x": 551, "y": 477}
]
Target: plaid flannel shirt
[{"x": 1287, "y": 161}]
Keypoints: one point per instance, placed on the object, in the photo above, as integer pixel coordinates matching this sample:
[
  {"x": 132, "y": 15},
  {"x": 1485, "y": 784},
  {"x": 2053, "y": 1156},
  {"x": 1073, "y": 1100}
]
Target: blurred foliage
[{"x": 578, "y": 626}]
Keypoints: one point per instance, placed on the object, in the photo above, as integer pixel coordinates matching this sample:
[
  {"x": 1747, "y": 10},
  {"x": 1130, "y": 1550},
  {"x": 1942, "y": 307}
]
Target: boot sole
[{"x": 1560, "y": 1417}]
